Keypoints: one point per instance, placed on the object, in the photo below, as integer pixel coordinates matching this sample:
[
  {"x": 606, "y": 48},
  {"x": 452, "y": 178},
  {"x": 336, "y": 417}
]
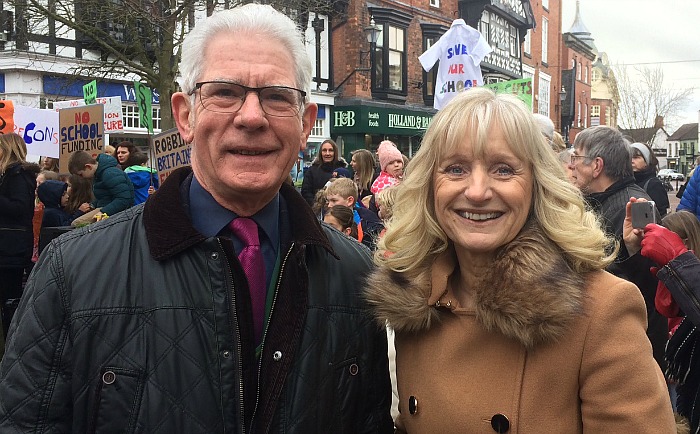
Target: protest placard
[
  {"x": 39, "y": 129},
  {"x": 7, "y": 113},
  {"x": 114, "y": 119},
  {"x": 81, "y": 129},
  {"x": 171, "y": 152}
]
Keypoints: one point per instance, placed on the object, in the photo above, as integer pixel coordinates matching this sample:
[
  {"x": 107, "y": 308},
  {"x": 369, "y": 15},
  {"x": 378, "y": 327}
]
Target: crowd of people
[{"x": 493, "y": 283}]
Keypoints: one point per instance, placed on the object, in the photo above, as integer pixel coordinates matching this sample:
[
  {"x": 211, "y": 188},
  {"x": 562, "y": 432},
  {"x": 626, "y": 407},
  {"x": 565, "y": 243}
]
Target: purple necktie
[{"x": 251, "y": 259}]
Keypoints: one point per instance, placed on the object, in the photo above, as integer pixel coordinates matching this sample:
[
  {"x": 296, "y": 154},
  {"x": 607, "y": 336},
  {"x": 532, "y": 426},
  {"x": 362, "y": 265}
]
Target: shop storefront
[{"x": 363, "y": 125}]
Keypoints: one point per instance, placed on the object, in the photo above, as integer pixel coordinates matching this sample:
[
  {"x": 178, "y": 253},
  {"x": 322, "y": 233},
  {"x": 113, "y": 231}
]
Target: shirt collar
[{"x": 209, "y": 218}]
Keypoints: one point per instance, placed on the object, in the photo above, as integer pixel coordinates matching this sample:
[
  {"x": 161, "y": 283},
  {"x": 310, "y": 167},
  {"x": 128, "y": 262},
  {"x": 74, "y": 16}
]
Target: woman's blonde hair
[
  {"x": 413, "y": 236},
  {"x": 12, "y": 150}
]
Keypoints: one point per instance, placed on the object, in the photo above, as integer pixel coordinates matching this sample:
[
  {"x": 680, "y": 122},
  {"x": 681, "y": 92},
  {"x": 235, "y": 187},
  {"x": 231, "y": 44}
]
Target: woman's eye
[
  {"x": 454, "y": 170},
  {"x": 505, "y": 170}
]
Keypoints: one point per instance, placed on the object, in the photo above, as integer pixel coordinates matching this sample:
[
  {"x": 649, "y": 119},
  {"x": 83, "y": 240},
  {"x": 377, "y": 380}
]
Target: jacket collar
[
  {"x": 169, "y": 228},
  {"x": 531, "y": 295}
]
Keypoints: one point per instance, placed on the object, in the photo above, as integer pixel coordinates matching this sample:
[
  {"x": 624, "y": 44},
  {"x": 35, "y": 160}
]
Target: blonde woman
[
  {"x": 491, "y": 272},
  {"x": 17, "y": 189}
]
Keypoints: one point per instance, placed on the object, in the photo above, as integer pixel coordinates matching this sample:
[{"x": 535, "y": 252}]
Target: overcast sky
[{"x": 647, "y": 31}]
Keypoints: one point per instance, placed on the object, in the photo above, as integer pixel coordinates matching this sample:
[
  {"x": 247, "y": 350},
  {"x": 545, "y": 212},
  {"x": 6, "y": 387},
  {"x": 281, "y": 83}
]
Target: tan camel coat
[{"x": 544, "y": 351}]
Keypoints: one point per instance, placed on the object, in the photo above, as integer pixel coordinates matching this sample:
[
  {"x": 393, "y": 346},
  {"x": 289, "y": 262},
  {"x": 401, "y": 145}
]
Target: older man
[
  {"x": 601, "y": 166},
  {"x": 222, "y": 305}
]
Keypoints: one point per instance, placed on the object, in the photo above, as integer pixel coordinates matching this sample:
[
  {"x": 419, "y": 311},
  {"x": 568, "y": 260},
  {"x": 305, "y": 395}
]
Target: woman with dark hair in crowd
[
  {"x": 49, "y": 163},
  {"x": 124, "y": 152},
  {"x": 321, "y": 170},
  {"x": 645, "y": 166},
  {"x": 80, "y": 196},
  {"x": 365, "y": 170},
  {"x": 341, "y": 217},
  {"x": 17, "y": 190}
]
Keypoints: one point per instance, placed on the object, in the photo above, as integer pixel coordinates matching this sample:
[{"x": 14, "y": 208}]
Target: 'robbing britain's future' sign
[{"x": 171, "y": 152}]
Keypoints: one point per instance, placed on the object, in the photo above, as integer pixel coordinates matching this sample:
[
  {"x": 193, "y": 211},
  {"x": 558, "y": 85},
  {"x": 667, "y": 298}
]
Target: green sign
[
  {"x": 143, "y": 100},
  {"x": 522, "y": 88},
  {"x": 90, "y": 92},
  {"x": 376, "y": 120}
]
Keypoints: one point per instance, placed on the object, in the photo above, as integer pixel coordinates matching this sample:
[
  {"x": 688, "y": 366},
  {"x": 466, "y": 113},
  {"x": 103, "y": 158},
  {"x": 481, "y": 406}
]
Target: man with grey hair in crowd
[
  {"x": 601, "y": 165},
  {"x": 227, "y": 306}
]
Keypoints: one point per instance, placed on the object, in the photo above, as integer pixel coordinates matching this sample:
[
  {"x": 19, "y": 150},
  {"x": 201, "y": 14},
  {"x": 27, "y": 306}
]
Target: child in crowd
[
  {"x": 80, "y": 196},
  {"x": 385, "y": 202},
  {"x": 112, "y": 188},
  {"x": 344, "y": 191},
  {"x": 391, "y": 164},
  {"x": 145, "y": 179},
  {"x": 54, "y": 196},
  {"x": 341, "y": 218}
]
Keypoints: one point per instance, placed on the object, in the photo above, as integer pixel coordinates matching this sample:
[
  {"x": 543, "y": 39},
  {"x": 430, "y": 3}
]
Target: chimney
[{"x": 659, "y": 122}]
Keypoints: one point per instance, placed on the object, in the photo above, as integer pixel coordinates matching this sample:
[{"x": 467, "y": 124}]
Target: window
[
  {"x": 585, "y": 77},
  {"x": 130, "y": 111},
  {"x": 595, "y": 111},
  {"x": 578, "y": 114},
  {"x": 545, "y": 4},
  {"x": 595, "y": 74},
  {"x": 545, "y": 35},
  {"x": 585, "y": 116},
  {"x": 544, "y": 85},
  {"x": 317, "y": 129},
  {"x": 435, "y": 3},
  {"x": 514, "y": 47},
  {"x": 389, "y": 72},
  {"x": 527, "y": 44},
  {"x": 431, "y": 34},
  {"x": 578, "y": 72}
]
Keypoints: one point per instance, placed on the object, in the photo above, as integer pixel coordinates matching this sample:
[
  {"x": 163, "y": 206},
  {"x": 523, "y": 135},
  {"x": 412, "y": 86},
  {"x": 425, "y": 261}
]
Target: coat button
[
  {"x": 500, "y": 423},
  {"x": 277, "y": 356},
  {"x": 226, "y": 354},
  {"x": 354, "y": 369},
  {"x": 412, "y": 404},
  {"x": 215, "y": 255},
  {"x": 109, "y": 377}
]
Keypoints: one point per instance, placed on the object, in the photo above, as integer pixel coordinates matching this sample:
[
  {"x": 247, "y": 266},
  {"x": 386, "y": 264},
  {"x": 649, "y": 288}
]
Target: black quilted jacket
[{"x": 151, "y": 342}]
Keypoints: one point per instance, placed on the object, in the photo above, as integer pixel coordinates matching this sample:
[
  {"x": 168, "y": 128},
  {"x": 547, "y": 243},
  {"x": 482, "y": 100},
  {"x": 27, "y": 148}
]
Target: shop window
[{"x": 130, "y": 112}]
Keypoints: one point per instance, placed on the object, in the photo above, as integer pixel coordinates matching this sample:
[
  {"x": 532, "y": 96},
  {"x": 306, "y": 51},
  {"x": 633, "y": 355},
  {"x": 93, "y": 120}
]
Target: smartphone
[{"x": 643, "y": 213}]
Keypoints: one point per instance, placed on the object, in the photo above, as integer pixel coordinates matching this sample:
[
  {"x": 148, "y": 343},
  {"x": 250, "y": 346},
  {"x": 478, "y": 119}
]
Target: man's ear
[
  {"x": 182, "y": 111},
  {"x": 307, "y": 122},
  {"x": 598, "y": 166}
]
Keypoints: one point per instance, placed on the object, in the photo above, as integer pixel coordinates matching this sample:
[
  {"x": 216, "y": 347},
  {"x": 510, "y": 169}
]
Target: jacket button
[
  {"x": 277, "y": 356},
  {"x": 109, "y": 377},
  {"x": 354, "y": 369},
  {"x": 412, "y": 404},
  {"x": 500, "y": 423},
  {"x": 226, "y": 354},
  {"x": 215, "y": 255}
]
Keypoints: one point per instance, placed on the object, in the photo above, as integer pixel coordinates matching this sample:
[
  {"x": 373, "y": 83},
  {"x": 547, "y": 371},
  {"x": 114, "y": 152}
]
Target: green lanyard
[{"x": 269, "y": 297}]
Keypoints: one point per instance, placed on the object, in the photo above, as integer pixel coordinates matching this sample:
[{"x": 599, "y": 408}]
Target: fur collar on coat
[{"x": 531, "y": 294}]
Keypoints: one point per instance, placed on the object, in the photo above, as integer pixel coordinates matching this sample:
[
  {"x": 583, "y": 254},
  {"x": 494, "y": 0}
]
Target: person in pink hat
[{"x": 391, "y": 163}]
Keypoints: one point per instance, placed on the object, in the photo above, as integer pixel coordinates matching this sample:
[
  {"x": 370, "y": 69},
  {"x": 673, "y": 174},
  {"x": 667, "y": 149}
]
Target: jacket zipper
[
  {"x": 684, "y": 287},
  {"x": 262, "y": 344},
  {"x": 237, "y": 336}
]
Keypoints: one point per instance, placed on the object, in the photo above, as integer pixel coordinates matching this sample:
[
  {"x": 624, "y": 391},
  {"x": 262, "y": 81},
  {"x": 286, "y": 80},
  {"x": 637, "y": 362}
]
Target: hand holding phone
[{"x": 643, "y": 213}]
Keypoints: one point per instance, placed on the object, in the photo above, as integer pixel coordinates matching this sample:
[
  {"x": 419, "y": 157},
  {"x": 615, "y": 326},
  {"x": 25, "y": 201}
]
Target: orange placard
[{"x": 7, "y": 116}]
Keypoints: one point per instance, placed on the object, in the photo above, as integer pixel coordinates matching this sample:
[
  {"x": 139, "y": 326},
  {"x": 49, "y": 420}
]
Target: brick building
[
  {"x": 541, "y": 59},
  {"x": 577, "y": 56}
]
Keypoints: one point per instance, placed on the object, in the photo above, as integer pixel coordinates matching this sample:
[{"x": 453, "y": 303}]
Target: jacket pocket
[
  {"x": 348, "y": 374},
  {"x": 117, "y": 401}
]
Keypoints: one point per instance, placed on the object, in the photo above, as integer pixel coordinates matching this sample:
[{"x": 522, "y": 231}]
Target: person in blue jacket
[
  {"x": 691, "y": 199},
  {"x": 144, "y": 178},
  {"x": 54, "y": 196}
]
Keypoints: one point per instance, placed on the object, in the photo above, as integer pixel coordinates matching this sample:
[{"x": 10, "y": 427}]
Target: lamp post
[
  {"x": 372, "y": 32},
  {"x": 318, "y": 25},
  {"x": 564, "y": 128}
]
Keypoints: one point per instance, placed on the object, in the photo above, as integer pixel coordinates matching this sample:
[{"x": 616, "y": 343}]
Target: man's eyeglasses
[
  {"x": 225, "y": 97},
  {"x": 576, "y": 157}
]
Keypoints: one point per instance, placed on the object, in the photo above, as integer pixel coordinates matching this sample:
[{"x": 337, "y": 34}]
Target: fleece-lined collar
[
  {"x": 531, "y": 294},
  {"x": 169, "y": 228}
]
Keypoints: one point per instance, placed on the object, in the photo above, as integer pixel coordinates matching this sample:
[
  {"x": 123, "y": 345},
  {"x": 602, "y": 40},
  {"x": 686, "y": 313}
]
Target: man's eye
[{"x": 278, "y": 95}]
